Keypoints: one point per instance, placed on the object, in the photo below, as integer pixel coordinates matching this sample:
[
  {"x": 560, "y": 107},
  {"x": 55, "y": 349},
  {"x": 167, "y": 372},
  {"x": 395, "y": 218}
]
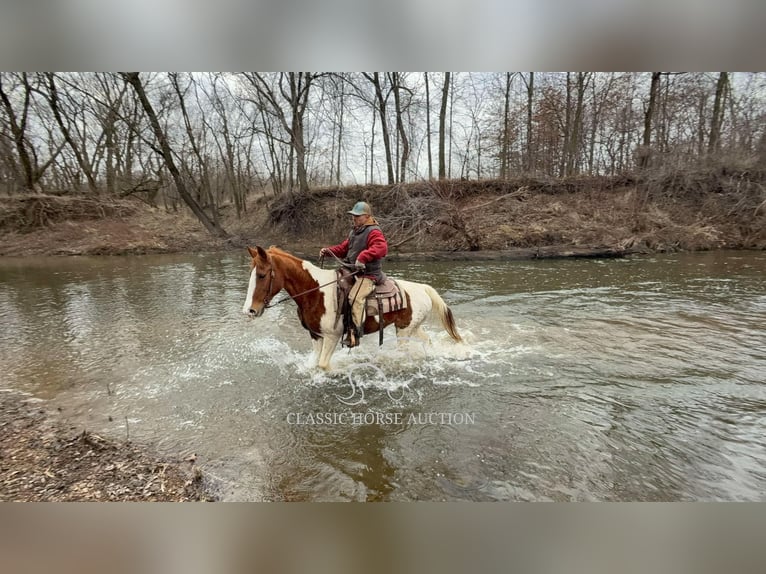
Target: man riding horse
[{"x": 364, "y": 249}]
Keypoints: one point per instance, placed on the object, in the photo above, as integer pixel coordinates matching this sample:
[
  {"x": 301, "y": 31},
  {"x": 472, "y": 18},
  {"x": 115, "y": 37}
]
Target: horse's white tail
[{"x": 444, "y": 313}]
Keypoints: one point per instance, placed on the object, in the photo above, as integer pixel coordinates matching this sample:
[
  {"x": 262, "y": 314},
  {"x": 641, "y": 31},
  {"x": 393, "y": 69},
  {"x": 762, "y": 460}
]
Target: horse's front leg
[
  {"x": 316, "y": 345},
  {"x": 329, "y": 342}
]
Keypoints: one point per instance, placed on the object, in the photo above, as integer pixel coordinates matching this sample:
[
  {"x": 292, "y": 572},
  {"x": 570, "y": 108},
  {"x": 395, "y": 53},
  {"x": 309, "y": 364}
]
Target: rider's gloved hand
[
  {"x": 324, "y": 252},
  {"x": 359, "y": 265}
]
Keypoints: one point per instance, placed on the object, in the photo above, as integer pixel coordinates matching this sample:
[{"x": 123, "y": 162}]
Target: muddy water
[{"x": 637, "y": 379}]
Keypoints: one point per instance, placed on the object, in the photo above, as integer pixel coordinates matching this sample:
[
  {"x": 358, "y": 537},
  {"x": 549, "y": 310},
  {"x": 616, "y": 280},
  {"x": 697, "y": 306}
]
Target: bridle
[
  {"x": 269, "y": 295},
  {"x": 267, "y": 300}
]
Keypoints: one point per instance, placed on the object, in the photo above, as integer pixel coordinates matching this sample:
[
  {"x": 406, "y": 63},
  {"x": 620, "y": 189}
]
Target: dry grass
[{"x": 708, "y": 207}]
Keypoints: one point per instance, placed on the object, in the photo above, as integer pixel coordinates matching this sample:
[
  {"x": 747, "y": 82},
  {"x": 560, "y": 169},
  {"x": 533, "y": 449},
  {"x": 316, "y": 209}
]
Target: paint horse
[{"x": 314, "y": 291}]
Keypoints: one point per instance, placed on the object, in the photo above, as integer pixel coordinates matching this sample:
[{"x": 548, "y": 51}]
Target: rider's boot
[{"x": 353, "y": 336}]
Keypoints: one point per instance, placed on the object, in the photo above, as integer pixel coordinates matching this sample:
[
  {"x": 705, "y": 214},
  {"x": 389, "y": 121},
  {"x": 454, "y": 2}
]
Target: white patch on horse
[
  {"x": 322, "y": 276},
  {"x": 420, "y": 303},
  {"x": 250, "y": 291}
]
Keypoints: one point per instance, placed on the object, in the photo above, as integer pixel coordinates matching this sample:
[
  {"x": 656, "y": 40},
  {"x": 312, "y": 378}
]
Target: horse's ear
[
  {"x": 252, "y": 252},
  {"x": 262, "y": 253}
]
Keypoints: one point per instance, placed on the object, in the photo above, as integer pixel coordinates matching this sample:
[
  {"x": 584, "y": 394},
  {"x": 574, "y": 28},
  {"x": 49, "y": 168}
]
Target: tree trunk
[
  {"x": 530, "y": 102},
  {"x": 701, "y": 112},
  {"x": 167, "y": 154},
  {"x": 18, "y": 130},
  {"x": 442, "y": 125},
  {"x": 340, "y": 137},
  {"x": 428, "y": 129},
  {"x": 762, "y": 150},
  {"x": 654, "y": 89},
  {"x": 564, "y": 159},
  {"x": 595, "y": 117},
  {"x": 111, "y": 179},
  {"x": 405, "y": 151},
  {"x": 664, "y": 128},
  {"x": 449, "y": 135},
  {"x": 299, "y": 91},
  {"x": 506, "y": 138},
  {"x": 300, "y": 155},
  {"x": 573, "y": 155},
  {"x": 372, "y": 151},
  {"x": 714, "y": 143},
  {"x": 375, "y": 79}
]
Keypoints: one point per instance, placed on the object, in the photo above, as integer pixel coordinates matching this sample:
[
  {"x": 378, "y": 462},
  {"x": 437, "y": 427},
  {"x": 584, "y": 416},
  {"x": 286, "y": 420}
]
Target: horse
[{"x": 314, "y": 290}]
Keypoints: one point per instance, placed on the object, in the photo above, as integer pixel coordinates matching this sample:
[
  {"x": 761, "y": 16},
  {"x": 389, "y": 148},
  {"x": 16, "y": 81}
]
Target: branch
[{"x": 522, "y": 191}]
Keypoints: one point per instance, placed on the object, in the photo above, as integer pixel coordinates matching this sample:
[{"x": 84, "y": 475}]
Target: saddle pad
[
  {"x": 388, "y": 288},
  {"x": 387, "y": 297}
]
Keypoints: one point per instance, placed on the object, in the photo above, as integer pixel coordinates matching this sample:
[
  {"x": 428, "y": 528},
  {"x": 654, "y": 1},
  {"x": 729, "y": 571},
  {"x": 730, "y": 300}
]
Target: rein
[
  {"x": 338, "y": 259},
  {"x": 269, "y": 304}
]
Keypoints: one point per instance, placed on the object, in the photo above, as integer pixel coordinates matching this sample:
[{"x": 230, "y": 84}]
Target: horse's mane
[{"x": 276, "y": 251}]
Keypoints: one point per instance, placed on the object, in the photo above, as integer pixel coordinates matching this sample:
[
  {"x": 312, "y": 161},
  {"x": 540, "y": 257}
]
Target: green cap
[{"x": 361, "y": 208}]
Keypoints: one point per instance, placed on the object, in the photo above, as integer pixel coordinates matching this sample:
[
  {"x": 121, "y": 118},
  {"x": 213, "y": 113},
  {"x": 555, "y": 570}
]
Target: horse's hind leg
[{"x": 412, "y": 333}]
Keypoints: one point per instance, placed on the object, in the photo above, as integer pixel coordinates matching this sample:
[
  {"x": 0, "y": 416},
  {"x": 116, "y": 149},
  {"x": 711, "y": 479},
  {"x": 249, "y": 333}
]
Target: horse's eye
[{"x": 261, "y": 276}]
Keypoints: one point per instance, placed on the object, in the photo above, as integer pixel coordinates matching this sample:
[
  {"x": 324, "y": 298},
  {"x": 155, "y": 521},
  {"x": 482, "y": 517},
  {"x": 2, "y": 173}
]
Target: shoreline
[
  {"x": 44, "y": 459},
  {"x": 698, "y": 210}
]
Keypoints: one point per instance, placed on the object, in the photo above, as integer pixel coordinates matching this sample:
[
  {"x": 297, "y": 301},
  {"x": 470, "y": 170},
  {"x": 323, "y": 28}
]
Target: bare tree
[
  {"x": 69, "y": 131},
  {"x": 167, "y": 154},
  {"x": 341, "y": 105},
  {"x": 573, "y": 145},
  {"x": 505, "y": 133},
  {"x": 30, "y": 171},
  {"x": 442, "y": 124},
  {"x": 204, "y": 178},
  {"x": 397, "y": 86},
  {"x": 530, "y": 157},
  {"x": 225, "y": 131},
  {"x": 293, "y": 89},
  {"x": 382, "y": 99},
  {"x": 108, "y": 109},
  {"x": 80, "y": 153},
  {"x": 428, "y": 127},
  {"x": 649, "y": 113},
  {"x": 714, "y": 143}
]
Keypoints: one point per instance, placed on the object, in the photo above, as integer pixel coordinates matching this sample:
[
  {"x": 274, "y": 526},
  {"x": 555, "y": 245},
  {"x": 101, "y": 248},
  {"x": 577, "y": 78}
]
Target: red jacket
[{"x": 377, "y": 248}]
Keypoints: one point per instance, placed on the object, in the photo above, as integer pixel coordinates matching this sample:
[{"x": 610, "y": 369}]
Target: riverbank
[
  {"x": 44, "y": 459},
  {"x": 715, "y": 207}
]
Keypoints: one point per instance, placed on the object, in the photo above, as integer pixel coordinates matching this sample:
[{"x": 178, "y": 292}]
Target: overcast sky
[{"x": 403, "y": 34}]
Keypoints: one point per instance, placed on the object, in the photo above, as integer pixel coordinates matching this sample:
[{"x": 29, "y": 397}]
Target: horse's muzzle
[{"x": 254, "y": 313}]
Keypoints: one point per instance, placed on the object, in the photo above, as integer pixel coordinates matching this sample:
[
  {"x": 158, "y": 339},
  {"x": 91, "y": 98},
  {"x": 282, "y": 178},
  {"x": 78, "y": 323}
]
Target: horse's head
[{"x": 265, "y": 282}]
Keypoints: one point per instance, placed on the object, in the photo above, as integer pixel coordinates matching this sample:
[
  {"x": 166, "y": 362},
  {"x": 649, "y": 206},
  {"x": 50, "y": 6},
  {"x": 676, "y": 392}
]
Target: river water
[{"x": 634, "y": 379}]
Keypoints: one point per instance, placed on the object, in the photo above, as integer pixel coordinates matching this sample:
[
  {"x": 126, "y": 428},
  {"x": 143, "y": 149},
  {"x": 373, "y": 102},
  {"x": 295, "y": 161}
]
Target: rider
[{"x": 365, "y": 249}]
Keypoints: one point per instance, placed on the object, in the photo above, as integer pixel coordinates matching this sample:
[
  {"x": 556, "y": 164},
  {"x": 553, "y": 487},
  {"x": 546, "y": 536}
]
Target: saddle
[{"x": 386, "y": 297}]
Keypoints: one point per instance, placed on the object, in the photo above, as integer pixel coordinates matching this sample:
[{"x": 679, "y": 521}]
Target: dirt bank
[
  {"x": 45, "y": 460},
  {"x": 708, "y": 208},
  {"x": 693, "y": 210},
  {"x": 54, "y": 225}
]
